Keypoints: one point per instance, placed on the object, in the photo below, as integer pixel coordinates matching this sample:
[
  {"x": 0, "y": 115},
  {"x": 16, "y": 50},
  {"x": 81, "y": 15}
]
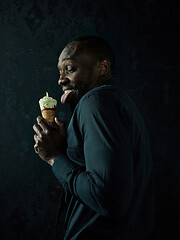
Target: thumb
[{"x": 60, "y": 124}]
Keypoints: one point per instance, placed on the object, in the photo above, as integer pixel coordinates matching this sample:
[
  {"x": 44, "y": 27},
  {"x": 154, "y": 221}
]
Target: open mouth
[{"x": 66, "y": 96}]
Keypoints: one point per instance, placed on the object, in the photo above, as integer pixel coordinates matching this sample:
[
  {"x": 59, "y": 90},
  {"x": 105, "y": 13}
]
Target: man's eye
[{"x": 71, "y": 69}]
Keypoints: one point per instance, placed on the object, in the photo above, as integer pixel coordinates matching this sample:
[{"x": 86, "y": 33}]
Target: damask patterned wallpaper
[{"x": 144, "y": 37}]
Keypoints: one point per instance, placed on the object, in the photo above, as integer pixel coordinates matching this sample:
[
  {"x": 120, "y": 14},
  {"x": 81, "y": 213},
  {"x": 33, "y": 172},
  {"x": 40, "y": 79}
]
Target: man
[{"x": 103, "y": 161}]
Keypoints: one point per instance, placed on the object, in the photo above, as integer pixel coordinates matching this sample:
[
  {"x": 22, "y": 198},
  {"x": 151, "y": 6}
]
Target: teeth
[{"x": 67, "y": 91}]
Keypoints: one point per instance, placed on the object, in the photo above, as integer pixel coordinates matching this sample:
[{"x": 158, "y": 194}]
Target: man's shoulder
[
  {"x": 94, "y": 97},
  {"x": 105, "y": 95},
  {"x": 96, "y": 93}
]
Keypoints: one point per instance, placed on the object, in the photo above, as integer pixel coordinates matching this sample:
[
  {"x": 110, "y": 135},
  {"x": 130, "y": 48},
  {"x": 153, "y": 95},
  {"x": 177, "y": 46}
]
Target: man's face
[{"x": 78, "y": 72}]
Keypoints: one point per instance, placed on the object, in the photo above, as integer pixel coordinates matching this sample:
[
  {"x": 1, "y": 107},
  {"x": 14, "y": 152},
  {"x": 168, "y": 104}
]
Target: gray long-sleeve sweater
[{"x": 107, "y": 174}]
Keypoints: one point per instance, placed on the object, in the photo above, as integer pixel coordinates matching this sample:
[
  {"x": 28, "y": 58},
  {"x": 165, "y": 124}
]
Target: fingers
[
  {"x": 37, "y": 129},
  {"x": 38, "y": 142},
  {"x": 36, "y": 149},
  {"x": 37, "y": 138},
  {"x": 42, "y": 124}
]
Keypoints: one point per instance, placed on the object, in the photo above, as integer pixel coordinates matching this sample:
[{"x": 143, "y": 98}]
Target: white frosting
[{"x": 47, "y": 102}]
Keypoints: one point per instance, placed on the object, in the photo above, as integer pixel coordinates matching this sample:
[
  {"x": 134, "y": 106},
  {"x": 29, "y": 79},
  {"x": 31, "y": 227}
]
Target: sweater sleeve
[{"x": 105, "y": 184}]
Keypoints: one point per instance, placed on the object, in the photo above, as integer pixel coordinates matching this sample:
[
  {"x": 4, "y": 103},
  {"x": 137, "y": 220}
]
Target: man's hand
[{"x": 50, "y": 139}]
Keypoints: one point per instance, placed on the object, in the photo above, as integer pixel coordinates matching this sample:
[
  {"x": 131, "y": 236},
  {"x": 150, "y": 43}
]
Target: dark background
[{"x": 144, "y": 36}]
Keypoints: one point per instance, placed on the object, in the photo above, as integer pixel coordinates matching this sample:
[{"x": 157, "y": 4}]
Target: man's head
[{"x": 84, "y": 64}]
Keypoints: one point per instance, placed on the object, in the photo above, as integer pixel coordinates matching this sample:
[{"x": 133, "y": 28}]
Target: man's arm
[{"x": 106, "y": 184}]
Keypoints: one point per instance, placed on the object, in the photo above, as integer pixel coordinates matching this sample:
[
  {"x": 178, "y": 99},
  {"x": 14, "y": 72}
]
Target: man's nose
[{"x": 63, "y": 80}]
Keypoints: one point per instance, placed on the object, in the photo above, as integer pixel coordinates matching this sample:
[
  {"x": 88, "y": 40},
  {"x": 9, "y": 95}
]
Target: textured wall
[{"x": 32, "y": 33}]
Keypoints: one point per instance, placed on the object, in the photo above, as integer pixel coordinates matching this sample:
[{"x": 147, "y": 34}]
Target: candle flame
[{"x": 47, "y": 95}]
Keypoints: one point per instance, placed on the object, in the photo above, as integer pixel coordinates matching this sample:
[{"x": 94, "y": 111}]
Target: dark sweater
[{"x": 107, "y": 174}]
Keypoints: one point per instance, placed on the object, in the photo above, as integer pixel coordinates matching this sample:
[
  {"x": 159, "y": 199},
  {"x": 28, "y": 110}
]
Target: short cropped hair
[{"x": 99, "y": 48}]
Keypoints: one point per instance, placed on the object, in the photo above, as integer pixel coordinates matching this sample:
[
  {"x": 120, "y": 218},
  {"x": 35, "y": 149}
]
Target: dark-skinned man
[{"x": 103, "y": 159}]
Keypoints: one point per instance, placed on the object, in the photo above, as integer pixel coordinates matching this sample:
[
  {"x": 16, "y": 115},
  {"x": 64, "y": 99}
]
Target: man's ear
[{"x": 104, "y": 67}]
